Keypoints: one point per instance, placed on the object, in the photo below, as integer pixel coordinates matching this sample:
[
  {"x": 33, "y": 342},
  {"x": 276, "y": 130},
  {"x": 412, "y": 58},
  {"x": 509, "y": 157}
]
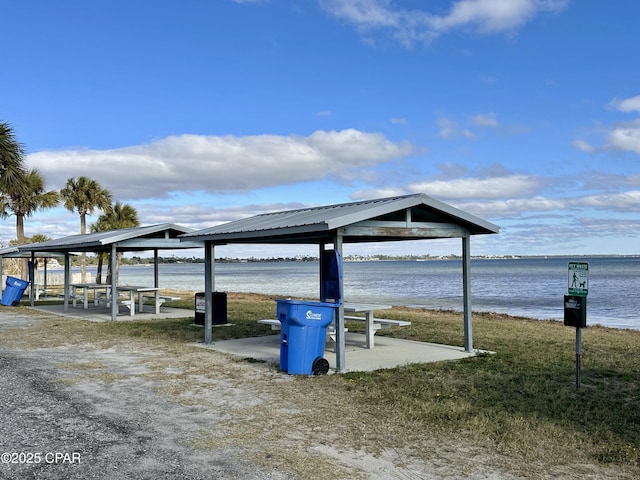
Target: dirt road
[{"x": 95, "y": 429}]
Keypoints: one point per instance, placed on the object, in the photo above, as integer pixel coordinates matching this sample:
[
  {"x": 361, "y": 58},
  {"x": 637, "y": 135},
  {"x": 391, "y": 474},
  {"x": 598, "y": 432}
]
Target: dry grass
[{"x": 517, "y": 410}]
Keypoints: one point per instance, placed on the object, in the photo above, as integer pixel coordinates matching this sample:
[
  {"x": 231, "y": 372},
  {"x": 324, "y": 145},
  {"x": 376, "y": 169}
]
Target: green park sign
[{"x": 578, "y": 278}]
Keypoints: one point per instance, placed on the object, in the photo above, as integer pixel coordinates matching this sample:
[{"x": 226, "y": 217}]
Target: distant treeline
[{"x": 135, "y": 260}]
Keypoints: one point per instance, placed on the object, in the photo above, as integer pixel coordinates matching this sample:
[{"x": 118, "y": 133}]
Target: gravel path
[{"x": 115, "y": 431}]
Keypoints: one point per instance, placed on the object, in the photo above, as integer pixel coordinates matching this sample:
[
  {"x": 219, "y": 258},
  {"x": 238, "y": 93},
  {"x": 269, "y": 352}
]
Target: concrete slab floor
[{"x": 387, "y": 353}]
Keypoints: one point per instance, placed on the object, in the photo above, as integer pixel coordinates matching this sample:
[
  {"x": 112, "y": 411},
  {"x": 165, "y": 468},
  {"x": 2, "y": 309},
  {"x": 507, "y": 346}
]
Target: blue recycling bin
[
  {"x": 14, "y": 289},
  {"x": 302, "y": 335}
]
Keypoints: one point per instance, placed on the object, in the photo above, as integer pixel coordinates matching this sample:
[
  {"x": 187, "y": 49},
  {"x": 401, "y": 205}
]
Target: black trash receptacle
[{"x": 219, "y": 303}]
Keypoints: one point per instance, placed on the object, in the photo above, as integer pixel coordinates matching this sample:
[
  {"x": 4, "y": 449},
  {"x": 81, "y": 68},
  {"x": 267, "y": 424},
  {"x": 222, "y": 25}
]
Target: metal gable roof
[
  {"x": 161, "y": 236},
  {"x": 14, "y": 252},
  {"x": 308, "y": 225}
]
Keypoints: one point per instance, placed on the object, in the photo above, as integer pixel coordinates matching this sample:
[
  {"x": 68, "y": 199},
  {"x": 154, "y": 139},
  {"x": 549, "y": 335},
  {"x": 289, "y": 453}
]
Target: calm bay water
[{"x": 527, "y": 287}]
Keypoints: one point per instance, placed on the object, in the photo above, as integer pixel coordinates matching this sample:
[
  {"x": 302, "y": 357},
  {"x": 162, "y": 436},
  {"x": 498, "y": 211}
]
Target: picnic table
[
  {"x": 127, "y": 297},
  {"x": 80, "y": 291},
  {"x": 372, "y": 323}
]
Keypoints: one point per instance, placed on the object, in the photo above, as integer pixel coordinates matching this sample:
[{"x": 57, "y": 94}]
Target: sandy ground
[{"x": 136, "y": 409}]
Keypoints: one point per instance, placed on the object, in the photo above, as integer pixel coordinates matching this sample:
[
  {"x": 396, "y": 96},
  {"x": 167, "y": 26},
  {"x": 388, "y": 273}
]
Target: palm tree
[
  {"x": 84, "y": 195},
  {"x": 23, "y": 198},
  {"x": 121, "y": 215},
  {"x": 37, "y": 238},
  {"x": 11, "y": 158}
]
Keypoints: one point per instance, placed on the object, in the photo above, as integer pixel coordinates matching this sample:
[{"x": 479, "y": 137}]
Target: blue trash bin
[
  {"x": 302, "y": 335},
  {"x": 14, "y": 289}
]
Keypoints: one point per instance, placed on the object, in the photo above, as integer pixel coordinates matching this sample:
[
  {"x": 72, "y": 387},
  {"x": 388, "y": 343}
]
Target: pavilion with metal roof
[
  {"x": 163, "y": 236},
  {"x": 409, "y": 217},
  {"x": 14, "y": 252}
]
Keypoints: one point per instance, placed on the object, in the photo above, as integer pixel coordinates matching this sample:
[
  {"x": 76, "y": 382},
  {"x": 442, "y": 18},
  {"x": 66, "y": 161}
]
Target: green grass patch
[
  {"x": 243, "y": 311},
  {"x": 522, "y": 400}
]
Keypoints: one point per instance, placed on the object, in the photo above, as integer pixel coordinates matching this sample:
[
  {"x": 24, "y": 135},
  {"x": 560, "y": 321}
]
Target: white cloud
[
  {"x": 610, "y": 227},
  {"x": 623, "y": 201},
  {"x": 410, "y": 26},
  {"x": 625, "y": 136},
  {"x": 488, "y": 120},
  {"x": 622, "y": 136},
  {"x": 627, "y": 104},
  {"x": 399, "y": 121},
  {"x": 219, "y": 164},
  {"x": 448, "y": 128},
  {"x": 584, "y": 146},
  {"x": 205, "y": 215},
  {"x": 493, "y": 187},
  {"x": 370, "y": 13},
  {"x": 512, "y": 197},
  {"x": 492, "y": 16},
  {"x": 476, "y": 188},
  {"x": 512, "y": 207}
]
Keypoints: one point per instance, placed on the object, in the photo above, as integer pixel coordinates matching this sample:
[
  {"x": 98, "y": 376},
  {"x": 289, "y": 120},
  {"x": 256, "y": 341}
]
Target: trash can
[
  {"x": 302, "y": 335},
  {"x": 219, "y": 303},
  {"x": 13, "y": 292}
]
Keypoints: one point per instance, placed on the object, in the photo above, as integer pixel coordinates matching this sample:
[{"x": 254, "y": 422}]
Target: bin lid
[
  {"x": 310, "y": 303},
  {"x": 16, "y": 282}
]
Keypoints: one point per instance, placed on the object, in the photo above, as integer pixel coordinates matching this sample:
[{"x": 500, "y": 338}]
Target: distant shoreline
[{"x": 146, "y": 261}]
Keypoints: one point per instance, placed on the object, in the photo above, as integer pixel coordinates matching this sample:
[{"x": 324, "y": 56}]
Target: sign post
[
  {"x": 575, "y": 306},
  {"x": 578, "y": 355}
]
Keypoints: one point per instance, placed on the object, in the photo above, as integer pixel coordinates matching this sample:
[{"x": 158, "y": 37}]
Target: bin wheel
[
  {"x": 320, "y": 366},
  {"x": 15, "y": 303}
]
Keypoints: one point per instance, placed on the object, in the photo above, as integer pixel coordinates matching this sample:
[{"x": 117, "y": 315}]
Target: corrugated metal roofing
[
  {"x": 309, "y": 225},
  {"x": 161, "y": 236}
]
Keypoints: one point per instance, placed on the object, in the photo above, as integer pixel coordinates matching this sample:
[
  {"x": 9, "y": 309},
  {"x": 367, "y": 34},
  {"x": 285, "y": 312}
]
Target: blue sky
[{"x": 523, "y": 112}]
